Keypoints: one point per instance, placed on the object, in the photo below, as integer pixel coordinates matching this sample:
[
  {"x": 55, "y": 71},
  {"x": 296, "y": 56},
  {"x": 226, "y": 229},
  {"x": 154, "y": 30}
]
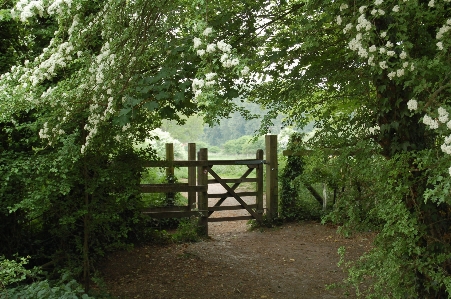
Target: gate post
[
  {"x": 272, "y": 177},
  {"x": 259, "y": 187},
  {"x": 170, "y": 197},
  {"x": 191, "y": 176},
  {"x": 202, "y": 197}
]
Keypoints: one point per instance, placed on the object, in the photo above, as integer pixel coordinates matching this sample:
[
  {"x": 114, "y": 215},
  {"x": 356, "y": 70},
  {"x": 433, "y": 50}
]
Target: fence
[{"x": 199, "y": 186}]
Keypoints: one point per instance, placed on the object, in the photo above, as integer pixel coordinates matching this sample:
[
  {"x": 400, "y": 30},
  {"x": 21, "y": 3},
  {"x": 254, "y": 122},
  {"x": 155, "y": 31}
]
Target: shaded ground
[{"x": 292, "y": 261}]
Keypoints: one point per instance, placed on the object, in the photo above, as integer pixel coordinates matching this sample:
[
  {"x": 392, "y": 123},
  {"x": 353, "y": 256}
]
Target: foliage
[
  {"x": 244, "y": 145},
  {"x": 187, "y": 231},
  {"x": 296, "y": 202},
  {"x": 64, "y": 289},
  {"x": 12, "y": 272},
  {"x": 373, "y": 76}
]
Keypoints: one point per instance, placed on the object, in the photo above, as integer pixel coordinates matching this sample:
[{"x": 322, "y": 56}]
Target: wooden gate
[{"x": 204, "y": 170}]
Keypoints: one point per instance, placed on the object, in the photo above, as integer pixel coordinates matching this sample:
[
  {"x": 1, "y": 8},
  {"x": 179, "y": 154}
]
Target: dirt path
[{"x": 292, "y": 261}]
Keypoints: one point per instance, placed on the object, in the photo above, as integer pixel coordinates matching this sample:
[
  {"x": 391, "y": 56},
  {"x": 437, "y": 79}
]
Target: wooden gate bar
[
  {"x": 231, "y": 208},
  {"x": 225, "y": 195},
  {"x": 236, "y": 181},
  {"x": 220, "y": 219}
]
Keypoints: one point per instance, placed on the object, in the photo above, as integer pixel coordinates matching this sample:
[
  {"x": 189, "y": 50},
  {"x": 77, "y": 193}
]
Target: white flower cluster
[
  {"x": 376, "y": 56},
  {"x": 443, "y": 117},
  {"x": 49, "y": 65},
  {"x": 25, "y": 9},
  {"x": 441, "y": 32},
  {"x": 446, "y": 146},
  {"x": 43, "y": 133},
  {"x": 221, "y": 49},
  {"x": 429, "y": 121},
  {"x": 225, "y": 49},
  {"x": 412, "y": 104}
]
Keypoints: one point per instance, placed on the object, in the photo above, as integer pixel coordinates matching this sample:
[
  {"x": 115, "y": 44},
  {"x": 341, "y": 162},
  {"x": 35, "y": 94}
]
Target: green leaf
[{"x": 151, "y": 105}]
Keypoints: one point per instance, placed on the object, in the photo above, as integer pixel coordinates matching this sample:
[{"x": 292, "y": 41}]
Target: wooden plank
[
  {"x": 192, "y": 176},
  {"x": 236, "y": 162},
  {"x": 239, "y": 181},
  {"x": 202, "y": 198},
  {"x": 165, "y": 209},
  {"x": 176, "y": 163},
  {"x": 225, "y": 195},
  {"x": 229, "y": 190},
  {"x": 175, "y": 214},
  {"x": 170, "y": 196},
  {"x": 221, "y": 219},
  {"x": 164, "y": 188},
  {"x": 230, "y": 208},
  {"x": 259, "y": 183}
]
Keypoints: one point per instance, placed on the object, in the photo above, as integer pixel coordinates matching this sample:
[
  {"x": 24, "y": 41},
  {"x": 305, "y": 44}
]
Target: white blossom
[
  {"x": 412, "y": 104},
  {"x": 210, "y": 83},
  {"x": 432, "y": 123},
  {"x": 378, "y": 2},
  {"x": 383, "y": 64},
  {"x": 431, "y": 3},
  {"x": 211, "y": 48},
  {"x": 391, "y": 75},
  {"x": 207, "y": 31},
  {"x": 224, "y": 47},
  {"x": 210, "y": 76},
  {"x": 200, "y": 52},
  {"x": 442, "y": 115},
  {"x": 343, "y": 6},
  {"x": 440, "y": 46},
  {"x": 338, "y": 19},
  {"x": 396, "y": 8},
  {"x": 390, "y": 53},
  {"x": 245, "y": 71},
  {"x": 347, "y": 28},
  {"x": 400, "y": 72},
  {"x": 403, "y": 55},
  {"x": 197, "y": 42}
]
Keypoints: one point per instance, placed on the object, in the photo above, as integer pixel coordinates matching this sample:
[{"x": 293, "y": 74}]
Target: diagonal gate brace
[
  {"x": 221, "y": 200},
  {"x": 232, "y": 193}
]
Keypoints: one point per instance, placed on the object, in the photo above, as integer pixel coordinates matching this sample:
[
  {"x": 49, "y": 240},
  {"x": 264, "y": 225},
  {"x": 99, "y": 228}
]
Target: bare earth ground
[{"x": 292, "y": 261}]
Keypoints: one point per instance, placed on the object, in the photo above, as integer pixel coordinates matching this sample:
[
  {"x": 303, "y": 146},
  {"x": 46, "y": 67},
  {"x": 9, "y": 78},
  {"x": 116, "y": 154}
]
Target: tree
[{"x": 375, "y": 78}]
